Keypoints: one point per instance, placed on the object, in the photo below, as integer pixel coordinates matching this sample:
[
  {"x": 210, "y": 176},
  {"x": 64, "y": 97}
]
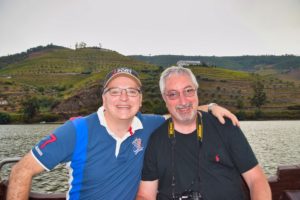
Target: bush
[
  {"x": 49, "y": 117},
  {"x": 5, "y": 118},
  {"x": 147, "y": 106},
  {"x": 295, "y": 107},
  {"x": 241, "y": 115},
  {"x": 47, "y": 102},
  {"x": 17, "y": 118},
  {"x": 160, "y": 109},
  {"x": 258, "y": 114}
]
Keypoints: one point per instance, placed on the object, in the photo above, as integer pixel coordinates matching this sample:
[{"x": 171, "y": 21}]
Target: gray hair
[{"x": 178, "y": 71}]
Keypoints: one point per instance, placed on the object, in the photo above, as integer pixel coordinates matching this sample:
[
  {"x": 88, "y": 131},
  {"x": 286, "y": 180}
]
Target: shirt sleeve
[
  {"x": 240, "y": 149},
  {"x": 57, "y": 147}
]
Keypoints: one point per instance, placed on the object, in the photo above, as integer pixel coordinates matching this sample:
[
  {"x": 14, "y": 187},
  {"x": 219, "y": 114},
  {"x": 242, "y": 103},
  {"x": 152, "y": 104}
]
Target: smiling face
[
  {"x": 122, "y": 107},
  {"x": 182, "y": 108}
]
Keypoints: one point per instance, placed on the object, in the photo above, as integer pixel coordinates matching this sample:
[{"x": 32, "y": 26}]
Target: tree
[
  {"x": 240, "y": 103},
  {"x": 259, "y": 97},
  {"x": 4, "y": 118},
  {"x": 30, "y": 108},
  {"x": 82, "y": 45}
]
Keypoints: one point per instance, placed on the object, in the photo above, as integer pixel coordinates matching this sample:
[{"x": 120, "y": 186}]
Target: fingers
[
  {"x": 221, "y": 113},
  {"x": 234, "y": 120},
  {"x": 232, "y": 117},
  {"x": 221, "y": 119}
]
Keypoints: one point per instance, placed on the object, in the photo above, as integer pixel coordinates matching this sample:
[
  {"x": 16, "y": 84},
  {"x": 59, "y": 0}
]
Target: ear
[{"x": 141, "y": 100}]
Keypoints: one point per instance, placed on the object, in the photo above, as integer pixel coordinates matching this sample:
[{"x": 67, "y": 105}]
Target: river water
[{"x": 274, "y": 143}]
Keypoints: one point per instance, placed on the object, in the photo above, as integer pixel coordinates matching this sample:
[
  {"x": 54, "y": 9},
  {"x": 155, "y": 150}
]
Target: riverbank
[{"x": 243, "y": 115}]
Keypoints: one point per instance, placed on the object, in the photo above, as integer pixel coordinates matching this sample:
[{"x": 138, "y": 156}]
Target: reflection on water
[{"x": 274, "y": 142}]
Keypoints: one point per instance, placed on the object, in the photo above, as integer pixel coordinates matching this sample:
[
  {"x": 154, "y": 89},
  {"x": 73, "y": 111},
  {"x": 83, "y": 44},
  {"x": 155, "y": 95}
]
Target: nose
[
  {"x": 124, "y": 95},
  {"x": 182, "y": 99}
]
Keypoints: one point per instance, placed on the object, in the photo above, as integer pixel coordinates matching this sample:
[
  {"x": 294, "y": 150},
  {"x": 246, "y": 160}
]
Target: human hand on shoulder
[{"x": 221, "y": 112}]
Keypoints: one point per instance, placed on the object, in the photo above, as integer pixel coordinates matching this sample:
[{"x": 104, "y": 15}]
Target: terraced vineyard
[{"x": 68, "y": 82}]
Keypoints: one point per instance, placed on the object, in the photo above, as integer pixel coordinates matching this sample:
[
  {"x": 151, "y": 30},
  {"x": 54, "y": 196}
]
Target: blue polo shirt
[{"x": 100, "y": 166}]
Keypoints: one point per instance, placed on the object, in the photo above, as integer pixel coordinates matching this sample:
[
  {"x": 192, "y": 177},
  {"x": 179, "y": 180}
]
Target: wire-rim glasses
[
  {"x": 116, "y": 91},
  {"x": 187, "y": 92}
]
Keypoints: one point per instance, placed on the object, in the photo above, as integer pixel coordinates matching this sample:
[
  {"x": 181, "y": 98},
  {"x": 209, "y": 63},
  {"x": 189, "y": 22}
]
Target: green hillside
[
  {"x": 284, "y": 67},
  {"x": 63, "y": 69},
  {"x": 54, "y": 74},
  {"x": 245, "y": 63},
  {"x": 65, "y": 82}
]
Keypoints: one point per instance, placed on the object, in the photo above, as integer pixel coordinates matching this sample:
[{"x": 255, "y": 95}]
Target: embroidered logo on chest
[{"x": 137, "y": 145}]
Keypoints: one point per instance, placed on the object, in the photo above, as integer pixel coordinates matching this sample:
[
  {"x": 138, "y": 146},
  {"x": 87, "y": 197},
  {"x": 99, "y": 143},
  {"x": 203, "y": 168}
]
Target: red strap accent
[
  {"x": 130, "y": 130},
  {"x": 217, "y": 158}
]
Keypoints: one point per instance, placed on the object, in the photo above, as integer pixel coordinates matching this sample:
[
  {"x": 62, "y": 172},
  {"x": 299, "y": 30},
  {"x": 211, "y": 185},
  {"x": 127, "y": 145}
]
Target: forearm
[
  {"x": 147, "y": 190},
  {"x": 21, "y": 176},
  {"x": 141, "y": 197},
  {"x": 261, "y": 191},
  {"x": 19, "y": 184},
  {"x": 203, "y": 108},
  {"x": 258, "y": 184}
]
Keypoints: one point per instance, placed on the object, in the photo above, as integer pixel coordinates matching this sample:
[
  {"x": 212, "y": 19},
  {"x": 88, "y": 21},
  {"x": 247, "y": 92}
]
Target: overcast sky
[{"x": 154, "y": 27}]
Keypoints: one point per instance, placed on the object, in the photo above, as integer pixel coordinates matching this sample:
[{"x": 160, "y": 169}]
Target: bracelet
[{"x": 210, "y": 106}]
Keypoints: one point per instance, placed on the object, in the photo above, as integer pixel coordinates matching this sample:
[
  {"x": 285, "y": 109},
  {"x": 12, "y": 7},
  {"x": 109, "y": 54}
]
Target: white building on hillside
[{"x": 183, "y": 63}]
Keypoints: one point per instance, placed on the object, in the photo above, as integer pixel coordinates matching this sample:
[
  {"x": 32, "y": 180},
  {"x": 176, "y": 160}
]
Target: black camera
[{"x": 190, "y": 195}]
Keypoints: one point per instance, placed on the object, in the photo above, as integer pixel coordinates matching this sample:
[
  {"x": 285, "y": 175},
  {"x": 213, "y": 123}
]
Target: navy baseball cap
[{"x": 122, "y": 71}]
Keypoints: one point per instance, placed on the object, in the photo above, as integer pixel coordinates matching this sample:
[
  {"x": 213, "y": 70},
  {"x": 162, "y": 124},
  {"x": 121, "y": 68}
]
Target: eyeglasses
[
  {"x": 187, "y": 92},
  {"x": 115, "y": 91}
]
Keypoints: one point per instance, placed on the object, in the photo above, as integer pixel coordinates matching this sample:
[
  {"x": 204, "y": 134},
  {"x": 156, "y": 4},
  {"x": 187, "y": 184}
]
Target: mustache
[{"x": 184, "y": 106}]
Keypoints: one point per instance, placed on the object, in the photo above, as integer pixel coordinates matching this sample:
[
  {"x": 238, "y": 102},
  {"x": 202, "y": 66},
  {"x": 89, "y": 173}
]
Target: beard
[{"x": 185, "y": 113}]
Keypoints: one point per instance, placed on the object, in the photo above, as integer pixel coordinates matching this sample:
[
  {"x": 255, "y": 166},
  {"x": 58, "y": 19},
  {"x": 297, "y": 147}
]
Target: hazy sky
[{"x": 185, "y": 27}]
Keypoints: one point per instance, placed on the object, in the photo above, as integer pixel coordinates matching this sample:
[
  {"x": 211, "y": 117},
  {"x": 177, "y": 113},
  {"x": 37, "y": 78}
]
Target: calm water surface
[{"x": 274, "y": 143}]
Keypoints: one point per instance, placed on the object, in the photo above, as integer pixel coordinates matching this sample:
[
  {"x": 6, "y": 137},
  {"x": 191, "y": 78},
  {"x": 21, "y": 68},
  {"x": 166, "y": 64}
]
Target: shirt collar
[{"x": 135, "y": 125}]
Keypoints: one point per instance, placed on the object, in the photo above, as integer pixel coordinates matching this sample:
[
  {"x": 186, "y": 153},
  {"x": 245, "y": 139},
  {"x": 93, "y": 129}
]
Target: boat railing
[
  {"x": 285, "y": 185},
  {"x": 33, "y": 195},
  {"x": 7, "y": 161}
]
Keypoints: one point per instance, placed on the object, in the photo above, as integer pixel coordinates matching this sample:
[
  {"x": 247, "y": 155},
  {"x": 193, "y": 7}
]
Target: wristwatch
[{"x": 210, "y": 106}]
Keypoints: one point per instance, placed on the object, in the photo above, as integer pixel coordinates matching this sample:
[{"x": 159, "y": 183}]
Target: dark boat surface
[{"x": 285, "y": 185}]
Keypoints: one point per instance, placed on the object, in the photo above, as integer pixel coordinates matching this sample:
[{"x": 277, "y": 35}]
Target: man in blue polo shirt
[{"x": 104, "y": 150}]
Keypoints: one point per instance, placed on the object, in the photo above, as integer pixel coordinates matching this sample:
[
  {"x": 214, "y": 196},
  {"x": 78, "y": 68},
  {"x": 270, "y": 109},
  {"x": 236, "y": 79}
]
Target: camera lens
[{"x": 190, "y": 195}]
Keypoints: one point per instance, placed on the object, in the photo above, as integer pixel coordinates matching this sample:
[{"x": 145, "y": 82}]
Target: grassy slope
[
  {"x": 64, "y": 73},
  {"x": 66, "y": 66},
  {"x": 58, "y": 73},
  {"x": 228, "y": 86}
]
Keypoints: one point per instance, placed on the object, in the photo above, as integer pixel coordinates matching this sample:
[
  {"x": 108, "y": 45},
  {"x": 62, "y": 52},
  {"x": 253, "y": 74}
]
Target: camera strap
[
  {"x": 171, "y": 134},
  {"x": 199, "y": 126}
]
